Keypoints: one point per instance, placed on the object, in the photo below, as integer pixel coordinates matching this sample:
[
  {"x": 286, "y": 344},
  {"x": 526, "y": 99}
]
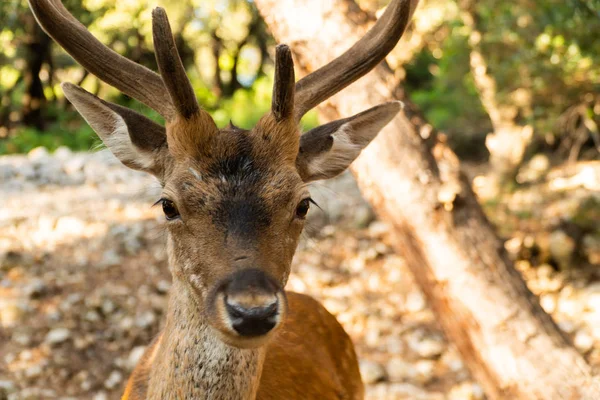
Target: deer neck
[{"x": 193, "y": 363}]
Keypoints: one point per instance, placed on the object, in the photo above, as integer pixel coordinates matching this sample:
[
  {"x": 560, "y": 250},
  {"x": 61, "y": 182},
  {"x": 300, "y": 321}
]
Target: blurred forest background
[{"x": 519, "y": 77}]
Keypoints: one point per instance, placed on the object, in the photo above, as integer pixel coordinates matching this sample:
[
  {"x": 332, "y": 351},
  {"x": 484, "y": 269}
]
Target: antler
[
  {"x": 282, "y": 104},
  {"x": 170, "y": 66},
  {"x": 130, "y": 78},
  {"x": 355, "y": 62}
]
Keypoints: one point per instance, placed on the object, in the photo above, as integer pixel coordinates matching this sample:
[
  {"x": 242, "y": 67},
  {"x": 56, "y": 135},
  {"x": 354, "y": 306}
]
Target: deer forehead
[
  {"x": 197, "y": 138},
  {"x": 236, "y": 183}
]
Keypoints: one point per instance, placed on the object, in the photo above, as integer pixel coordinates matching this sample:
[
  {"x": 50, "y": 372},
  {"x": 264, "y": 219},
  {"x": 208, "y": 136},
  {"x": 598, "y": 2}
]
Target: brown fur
[{"x": 300, "y": 363}]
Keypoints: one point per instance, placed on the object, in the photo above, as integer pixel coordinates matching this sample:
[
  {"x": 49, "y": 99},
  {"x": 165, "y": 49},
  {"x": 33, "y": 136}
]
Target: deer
[{"x": 235, "y": 203}]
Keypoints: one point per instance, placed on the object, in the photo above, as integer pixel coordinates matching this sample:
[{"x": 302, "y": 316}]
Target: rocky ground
[{"x": 84, "y": 281}]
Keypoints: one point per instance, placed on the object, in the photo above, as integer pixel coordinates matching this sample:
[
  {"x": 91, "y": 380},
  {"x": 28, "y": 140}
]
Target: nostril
[{"x": 253, "y": 321}]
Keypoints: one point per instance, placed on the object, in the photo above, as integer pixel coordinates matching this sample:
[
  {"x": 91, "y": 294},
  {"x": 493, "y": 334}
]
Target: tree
[
  {"x": 508, "y": 142},
  {"x": 414, "y": 182}
]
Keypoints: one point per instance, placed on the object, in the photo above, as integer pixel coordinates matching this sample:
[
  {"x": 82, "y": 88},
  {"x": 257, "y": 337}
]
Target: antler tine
[
  {"x": 282, "y": 104},
  {"x": 127, "y": 76},
  {"x": 170, "y": 66},
  {"x": 356, "y": 61}
]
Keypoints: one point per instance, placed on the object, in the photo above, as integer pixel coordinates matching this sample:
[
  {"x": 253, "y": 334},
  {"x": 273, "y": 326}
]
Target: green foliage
[
  {"x": 198, "y": 25},
  {"x": 443, "y": 87},
  {"x": 244, "y": 109},
  {"x": 75, "y": 136},
  {"x": 543, "y": 56}
]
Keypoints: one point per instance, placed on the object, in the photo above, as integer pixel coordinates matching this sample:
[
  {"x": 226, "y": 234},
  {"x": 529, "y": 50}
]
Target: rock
[
  {"x": 34, "y": 393},
  {"x": 35, "y": 289},
  {"x": 25, "y": 355},
  {"x": 583, "y": 341},
  {"x": 371, "y": 372},
  {"x": 49, "y": 172},
  {"x": 63, "y": 153},
  {"x": 399, "y": 370},
  {"x": 113, "y": 380},
  {"x": 363, "y": 216},
  {"x": 6, "y": 172},
  {"x": 568, "y": 304},
  {"x": 33, "y": 371},
  {"x": 401, "y": 391},
  {"x": 23, "y": 339},
  {"x": 11, "y": 312},
  {"x": 38, "y": 154},
  {"x": 378, "y": 229},
  {"x": 134, "y": 357},
  {"x": 110, "y": 258},
  {"x": 108, "y": 307},
  {"x": 430, "y": 347},
  {"x": 548, "y": 302},
  {"x": 7, "y": 387},
  {"x": 92, "y": 316},
  {"x": 86, "y": 385},
  {"x": 74, "y": 165},
  {"x": 466, "y": 391},
  {"x": 415, "y": 301},
  {"x": 58, "y": 335},
  {"x": 68, "y": 225},
  {"x": 424, "y": 371},
  {"x": 100, "y": 396},
  {"x": 513, "y": 246},
  {"x": 163, "y": 286},
  {"x": 145, "y": 319},
  {"x": 426, "y": 346},
  {"x": 126, "y": 324},
  {"x": 566, "y": 326},
  {"x": 27, "y": 172}
]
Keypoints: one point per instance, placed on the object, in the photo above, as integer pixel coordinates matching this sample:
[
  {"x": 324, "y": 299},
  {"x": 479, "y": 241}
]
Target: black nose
[{"x": 254, "y": 321}]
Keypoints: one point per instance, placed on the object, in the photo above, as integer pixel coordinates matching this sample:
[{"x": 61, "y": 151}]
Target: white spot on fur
[
  {"x": 195, "y": 173},
  {"x": 198, "y": 284}
]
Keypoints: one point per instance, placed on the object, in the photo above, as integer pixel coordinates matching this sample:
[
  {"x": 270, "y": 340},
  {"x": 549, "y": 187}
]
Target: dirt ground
[{"x": 84, "y": 283}]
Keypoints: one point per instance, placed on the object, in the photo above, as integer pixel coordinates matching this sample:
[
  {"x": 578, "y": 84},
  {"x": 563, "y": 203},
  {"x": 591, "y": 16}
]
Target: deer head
[{"x": 235, "y": 200}]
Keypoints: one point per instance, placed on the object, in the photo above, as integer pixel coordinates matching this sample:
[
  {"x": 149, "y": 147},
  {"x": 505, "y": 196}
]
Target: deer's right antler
[
  {"x": 356, "y": 61},
  {"x": 125, "y": 75}
]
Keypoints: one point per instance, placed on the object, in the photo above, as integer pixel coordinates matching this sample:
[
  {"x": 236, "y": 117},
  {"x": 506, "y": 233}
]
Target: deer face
[
  {"x": 234, "y": 200},
  {"x": 234, "y": 211}
]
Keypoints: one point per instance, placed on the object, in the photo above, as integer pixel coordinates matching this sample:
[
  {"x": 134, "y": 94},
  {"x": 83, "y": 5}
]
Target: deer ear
[
  {"x": 329, "y": 149},
  {"x": 135, "y": 140}
]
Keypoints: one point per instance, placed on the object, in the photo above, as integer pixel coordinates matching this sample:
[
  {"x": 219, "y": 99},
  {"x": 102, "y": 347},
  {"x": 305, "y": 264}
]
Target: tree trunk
[
  {"x": 34, "y": 100},
  {"x": 512, "y": 347}
]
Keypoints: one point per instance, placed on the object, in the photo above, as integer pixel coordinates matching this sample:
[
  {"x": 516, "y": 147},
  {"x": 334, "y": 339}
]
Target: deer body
[
  {"x": 235, "y": 202},
  {"x": 287, "y": 366}
]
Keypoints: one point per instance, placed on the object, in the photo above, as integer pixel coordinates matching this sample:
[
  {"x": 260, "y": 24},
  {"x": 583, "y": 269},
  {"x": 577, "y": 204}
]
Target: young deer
[{"x": 235, "y": 202}]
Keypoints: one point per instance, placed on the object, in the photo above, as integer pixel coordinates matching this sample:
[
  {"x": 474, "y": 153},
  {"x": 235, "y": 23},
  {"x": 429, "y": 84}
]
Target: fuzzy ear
[
  {"x": 329, "y": 149},
  {"x": 135, "y": 140}
]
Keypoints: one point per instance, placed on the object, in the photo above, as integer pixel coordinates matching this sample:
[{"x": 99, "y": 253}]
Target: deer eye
[
  {"x": 302, "y": 208},
  {"x": 169, "y": 209}
]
